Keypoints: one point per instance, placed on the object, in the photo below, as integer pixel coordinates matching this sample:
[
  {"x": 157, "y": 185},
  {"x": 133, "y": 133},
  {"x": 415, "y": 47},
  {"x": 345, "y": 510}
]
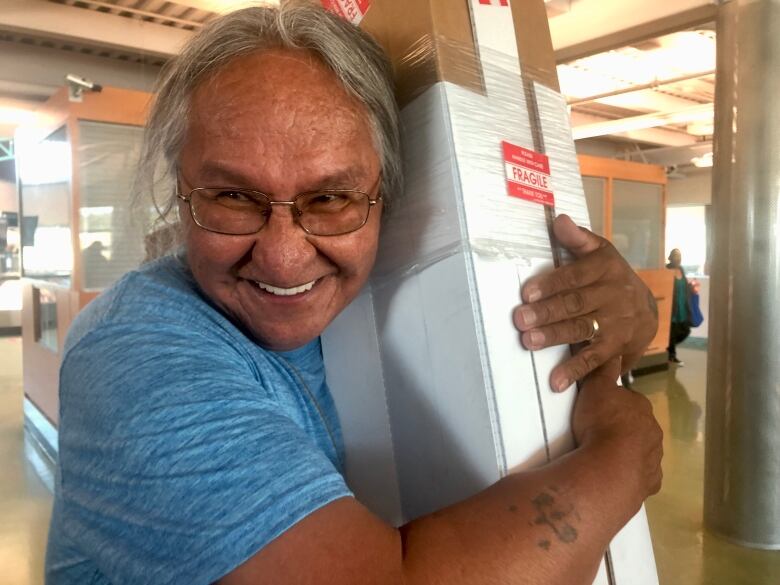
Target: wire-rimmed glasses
[{"x": 238, "y": 211}]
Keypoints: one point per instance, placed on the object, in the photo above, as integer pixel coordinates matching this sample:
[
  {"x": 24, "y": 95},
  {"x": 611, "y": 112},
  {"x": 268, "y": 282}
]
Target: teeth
[{"x": 285, "y": 292}]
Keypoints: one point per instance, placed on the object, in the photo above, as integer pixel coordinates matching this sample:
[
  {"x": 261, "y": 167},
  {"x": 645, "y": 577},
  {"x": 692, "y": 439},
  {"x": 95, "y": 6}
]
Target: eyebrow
[{"x": 347, "y": 178}]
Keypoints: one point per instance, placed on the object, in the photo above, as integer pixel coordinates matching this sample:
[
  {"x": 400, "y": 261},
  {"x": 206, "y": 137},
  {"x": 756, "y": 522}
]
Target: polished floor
[
  {"x": 685, "y": 554},
  {"x": 25, "y": 502}
]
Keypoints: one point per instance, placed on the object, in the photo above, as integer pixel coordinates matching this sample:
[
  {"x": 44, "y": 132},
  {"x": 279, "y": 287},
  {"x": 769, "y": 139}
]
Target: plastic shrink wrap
[{"x": 437, "y": 397}]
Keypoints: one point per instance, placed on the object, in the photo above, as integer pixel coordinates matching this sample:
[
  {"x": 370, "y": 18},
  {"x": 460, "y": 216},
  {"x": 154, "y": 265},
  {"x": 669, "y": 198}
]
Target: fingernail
[
  {"x": 562, "y": 384},
  {"x": 528, "y": 315},
  {"x": 534, "y": 293},
  {"x": 537, "y": 338}
]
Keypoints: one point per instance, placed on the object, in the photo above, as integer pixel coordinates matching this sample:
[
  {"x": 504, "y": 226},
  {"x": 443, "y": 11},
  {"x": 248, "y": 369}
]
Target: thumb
[{"x": 577, "y": 240}]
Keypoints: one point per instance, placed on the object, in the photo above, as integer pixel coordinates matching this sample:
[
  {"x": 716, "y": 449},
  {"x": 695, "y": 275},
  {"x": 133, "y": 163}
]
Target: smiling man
[
  {"x": 198, "y": 438},
  {"x": 324, "y": 148}
]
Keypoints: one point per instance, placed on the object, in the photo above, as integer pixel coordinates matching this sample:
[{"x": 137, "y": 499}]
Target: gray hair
[{"x": 356, "y": 59}]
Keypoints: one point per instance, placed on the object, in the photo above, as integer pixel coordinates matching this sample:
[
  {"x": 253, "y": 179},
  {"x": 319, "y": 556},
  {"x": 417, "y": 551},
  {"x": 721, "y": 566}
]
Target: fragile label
[
  {"x": 495, "y": 2},
  {"x": 352, "y": 10},
  {"x": 527, "y": 174}
]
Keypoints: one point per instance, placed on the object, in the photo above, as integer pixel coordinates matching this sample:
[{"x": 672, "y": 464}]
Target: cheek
[
  {"x": 361, "y": 253},
  {"x": 212, "y": 254}
]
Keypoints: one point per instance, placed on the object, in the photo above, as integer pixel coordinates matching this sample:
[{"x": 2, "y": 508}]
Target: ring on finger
[{"x": 594, "y": 329}]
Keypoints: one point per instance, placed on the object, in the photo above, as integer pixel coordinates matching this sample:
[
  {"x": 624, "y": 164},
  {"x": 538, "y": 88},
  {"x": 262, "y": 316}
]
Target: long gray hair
[{"x": 355, "y": 58}]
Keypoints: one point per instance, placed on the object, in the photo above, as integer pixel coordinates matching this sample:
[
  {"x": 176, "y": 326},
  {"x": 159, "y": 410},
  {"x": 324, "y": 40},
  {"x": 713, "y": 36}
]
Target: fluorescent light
[
  {"x": 15, "y": 116},
  {"x": 678, "y": 54},
  {"x": 701, "y": 128},
  {"x": 703, "y": 161},
  {"x": 222, "y": 6},
  {"x": 701, "y": 113}
]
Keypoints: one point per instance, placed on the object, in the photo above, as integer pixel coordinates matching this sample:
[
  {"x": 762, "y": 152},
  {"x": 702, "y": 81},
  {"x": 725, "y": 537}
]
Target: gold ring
[{"x": 595, "y": 326}]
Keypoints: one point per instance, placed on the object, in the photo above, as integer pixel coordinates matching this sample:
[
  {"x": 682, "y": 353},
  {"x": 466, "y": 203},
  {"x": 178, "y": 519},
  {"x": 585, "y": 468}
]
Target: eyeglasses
[{"x": 238, "y": 212}]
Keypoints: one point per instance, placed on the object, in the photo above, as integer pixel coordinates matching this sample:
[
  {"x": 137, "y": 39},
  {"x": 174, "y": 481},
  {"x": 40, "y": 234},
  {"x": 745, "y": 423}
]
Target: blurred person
[
  {"x": 93, "y": 256},
  {"x": 681, "y": 310},
  {"x": 198, "y": 438}
]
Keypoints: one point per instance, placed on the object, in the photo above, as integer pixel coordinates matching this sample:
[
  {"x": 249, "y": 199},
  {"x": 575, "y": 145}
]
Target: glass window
[
  {"x": 686, "y": 230},
  {"x": 9, "y": 243},
  {"x": 45, "y": 315},
  {"x": 595, "y": 187},
  {"x": 637, "y": 220},
  {"x": 110, "y": 236},
  {"x": 44, "y": 178},
  {"x": 9, "y": 216}
]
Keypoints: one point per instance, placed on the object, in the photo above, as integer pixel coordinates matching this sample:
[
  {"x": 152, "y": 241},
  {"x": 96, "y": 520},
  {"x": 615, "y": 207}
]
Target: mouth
[{"x": 284, "y": 292}]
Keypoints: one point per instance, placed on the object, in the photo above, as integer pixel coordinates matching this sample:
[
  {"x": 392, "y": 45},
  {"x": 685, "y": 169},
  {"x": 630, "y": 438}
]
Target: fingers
[
  {"x": 567, "y": 332},
  {"x": 579, "y": 366},
  {"x": 577, "y": 240},
  {"x": 579, "y": 274},
  {"x": 567, "y": 306}
]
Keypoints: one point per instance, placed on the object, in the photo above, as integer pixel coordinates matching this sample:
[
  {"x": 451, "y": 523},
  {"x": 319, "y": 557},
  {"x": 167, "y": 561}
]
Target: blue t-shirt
[{"x": 184, "y": 447}]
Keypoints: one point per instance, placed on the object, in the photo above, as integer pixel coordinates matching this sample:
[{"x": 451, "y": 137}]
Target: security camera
[{"x": 78, "y": 85}]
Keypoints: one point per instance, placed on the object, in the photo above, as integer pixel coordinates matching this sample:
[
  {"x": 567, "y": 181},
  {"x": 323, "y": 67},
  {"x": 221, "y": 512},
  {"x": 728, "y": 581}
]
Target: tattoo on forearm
[{"x": 555, "y": 516}]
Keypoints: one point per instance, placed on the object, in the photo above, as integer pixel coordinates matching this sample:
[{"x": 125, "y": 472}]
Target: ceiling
[
  {"x": 652, "y": 99},
  {"x": 177, "y": 15}
]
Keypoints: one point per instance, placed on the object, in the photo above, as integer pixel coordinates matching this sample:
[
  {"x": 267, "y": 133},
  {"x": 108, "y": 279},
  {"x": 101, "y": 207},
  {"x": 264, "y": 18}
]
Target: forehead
[{"x": 276, "y": 108}]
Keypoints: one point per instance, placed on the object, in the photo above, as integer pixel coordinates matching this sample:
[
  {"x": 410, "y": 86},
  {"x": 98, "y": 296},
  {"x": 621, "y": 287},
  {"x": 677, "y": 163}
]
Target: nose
[{"x": 282, "y": 250}]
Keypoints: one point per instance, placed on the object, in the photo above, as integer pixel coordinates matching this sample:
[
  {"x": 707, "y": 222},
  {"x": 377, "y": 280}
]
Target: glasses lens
[
  {"x": 330, "y": 213},
  {"x": 229, "y": 211}
]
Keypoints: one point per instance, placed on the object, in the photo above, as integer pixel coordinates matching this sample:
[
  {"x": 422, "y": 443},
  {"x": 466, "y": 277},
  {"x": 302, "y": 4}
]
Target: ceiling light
[
  {"x": 703, "y": 161},
  {"x": 700, "y": 113},
  {"x": 222, "y": 6},
  {"x": 15, "y": 116},
  {"x": 675, "y": 55},
  {"x": 701, "y": 128}
]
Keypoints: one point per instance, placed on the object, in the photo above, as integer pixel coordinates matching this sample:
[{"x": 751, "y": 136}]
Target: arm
[
  {"x": 546, "y": 526},
  {"x": 560, "y": 307}
]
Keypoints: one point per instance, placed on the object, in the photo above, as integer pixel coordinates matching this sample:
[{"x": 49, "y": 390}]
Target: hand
[
  {"x": 599, "y": 285},
  {"x": 620, "y": 421}
]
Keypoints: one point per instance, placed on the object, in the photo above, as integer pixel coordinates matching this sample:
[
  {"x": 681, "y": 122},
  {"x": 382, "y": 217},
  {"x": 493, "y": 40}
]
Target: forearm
[{"x": 550, "y": 525}]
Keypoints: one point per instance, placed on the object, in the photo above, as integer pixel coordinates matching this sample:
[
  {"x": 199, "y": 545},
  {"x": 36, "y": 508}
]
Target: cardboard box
[{"x": 436, "y": 396}]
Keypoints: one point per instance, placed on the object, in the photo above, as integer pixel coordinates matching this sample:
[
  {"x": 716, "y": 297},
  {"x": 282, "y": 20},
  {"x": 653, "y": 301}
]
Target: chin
[{"x": 284, "y": 340}]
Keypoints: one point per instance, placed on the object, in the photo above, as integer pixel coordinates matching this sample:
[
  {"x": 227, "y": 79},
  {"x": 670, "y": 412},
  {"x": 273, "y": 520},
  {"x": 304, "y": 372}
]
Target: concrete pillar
[{"x": 742, "y": 462}]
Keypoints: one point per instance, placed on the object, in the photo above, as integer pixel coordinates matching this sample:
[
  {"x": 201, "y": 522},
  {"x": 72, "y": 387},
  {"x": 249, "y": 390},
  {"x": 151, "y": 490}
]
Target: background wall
[
  {"x": 43, "y": 66},
  {"x": 694, "y": 189}
]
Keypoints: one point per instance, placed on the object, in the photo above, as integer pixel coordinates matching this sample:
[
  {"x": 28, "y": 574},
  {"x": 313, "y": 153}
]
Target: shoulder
[
  {"x": 147, "y": 292},
  {"x": 161, "y": 299},
  {"x": 153, "y": 330}
]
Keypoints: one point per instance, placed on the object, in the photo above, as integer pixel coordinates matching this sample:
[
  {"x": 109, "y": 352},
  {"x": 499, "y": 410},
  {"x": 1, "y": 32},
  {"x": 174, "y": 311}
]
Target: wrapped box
[{"x": 437, "y": 398}]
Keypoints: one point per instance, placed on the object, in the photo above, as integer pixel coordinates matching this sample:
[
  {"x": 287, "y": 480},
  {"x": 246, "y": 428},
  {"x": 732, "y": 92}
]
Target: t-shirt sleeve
[{"x": 176, "y": 465}]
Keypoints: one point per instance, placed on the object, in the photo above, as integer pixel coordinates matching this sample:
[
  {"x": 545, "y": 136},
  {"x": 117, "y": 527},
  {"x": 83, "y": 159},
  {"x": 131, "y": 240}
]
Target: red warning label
[
  {"x": 527, "y": 174},
  {"x": 352, "y": 10},
  {"x": 495, "y": 2}
]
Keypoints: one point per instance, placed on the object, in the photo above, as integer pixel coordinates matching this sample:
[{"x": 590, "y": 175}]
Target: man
[{"x": 198, "y": 438}]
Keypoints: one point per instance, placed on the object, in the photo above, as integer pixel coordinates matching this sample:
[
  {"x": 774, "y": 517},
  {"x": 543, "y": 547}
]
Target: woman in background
[{"x": 681, "y": 313}]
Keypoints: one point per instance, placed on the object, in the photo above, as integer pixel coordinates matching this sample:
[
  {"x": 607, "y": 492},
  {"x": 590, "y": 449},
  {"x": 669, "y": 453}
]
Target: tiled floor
[
  {"x": 685, "y": 554},
  {"x": 25, "y": 503}
]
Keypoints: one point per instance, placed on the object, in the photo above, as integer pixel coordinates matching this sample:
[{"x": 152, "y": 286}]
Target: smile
[{"x": 285, "y": 292}]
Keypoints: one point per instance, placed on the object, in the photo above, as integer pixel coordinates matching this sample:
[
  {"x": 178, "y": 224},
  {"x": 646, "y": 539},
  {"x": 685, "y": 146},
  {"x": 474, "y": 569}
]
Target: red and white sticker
[
  {"x": 527, "y": 174},
  {"x": 495, "y": 2},
  {"x": 352, "y": 10}
]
